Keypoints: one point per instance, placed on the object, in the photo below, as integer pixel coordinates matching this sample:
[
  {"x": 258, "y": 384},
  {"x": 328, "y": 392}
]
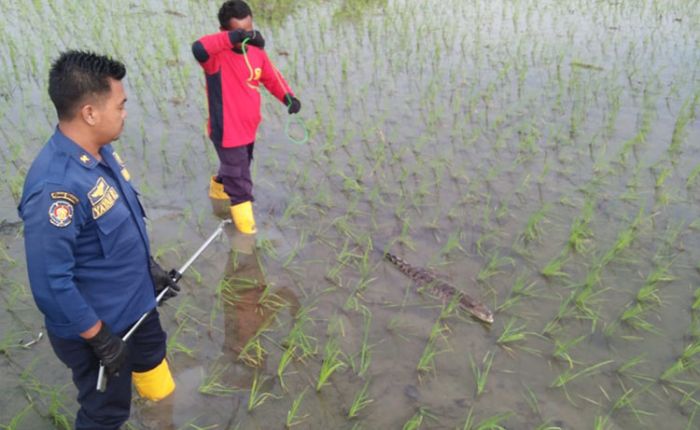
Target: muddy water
[{"x": 438, "y": 128}]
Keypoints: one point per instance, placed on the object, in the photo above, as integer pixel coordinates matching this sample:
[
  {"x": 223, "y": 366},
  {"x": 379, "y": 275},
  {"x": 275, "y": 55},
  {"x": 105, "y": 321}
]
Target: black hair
[
  {"x": 233, "y": 9},
  {"x": 76, "y": 75}
]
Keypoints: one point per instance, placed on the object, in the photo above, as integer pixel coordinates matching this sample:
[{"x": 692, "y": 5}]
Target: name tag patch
[{"x": 102, "y": 198}]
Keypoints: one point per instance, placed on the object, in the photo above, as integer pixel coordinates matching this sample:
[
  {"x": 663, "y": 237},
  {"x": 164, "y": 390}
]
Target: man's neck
[{"x": 77, "y": 135}]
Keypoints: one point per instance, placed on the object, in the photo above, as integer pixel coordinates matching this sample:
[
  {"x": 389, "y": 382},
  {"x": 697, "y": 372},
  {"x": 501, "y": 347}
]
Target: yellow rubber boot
[
  {"x": 216, "y": 190},
  {"x": 155, "y": 384},
  {"x": 242, "y": 215}
]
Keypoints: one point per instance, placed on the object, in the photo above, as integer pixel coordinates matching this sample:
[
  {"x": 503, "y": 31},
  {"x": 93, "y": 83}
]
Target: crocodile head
[{"x": 482, "y": 313}]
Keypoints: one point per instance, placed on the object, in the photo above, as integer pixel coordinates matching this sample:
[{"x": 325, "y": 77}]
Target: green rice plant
[
  {"x": 493, "y": 266},
  {"x": 520, "y": 289},
  {"x": 360, "y": 402},
  {"x": 533, "y": 228},
  {"x": 490, "y": 423},
  {"x": 568, "y": 375},
  {"x": 416, "y": 420},
  {"x": 693, "y": 177},
  {"x": 632, "y": 316},
  {"x": 696, "y": 303},
  {"x": 561, "y": 349},
  {"x": 331, "y": 362},
  {"x": 581, "y": 233},
  {"x": 426, "y": 363},
  {"x": 212, "y": 386},
  {"x": 627, "y": 369},
  {"x": 256, "y": 398},
  {"x": 685, "y": 362},
  {"x": 624, "y": 240},
  {"x": 57, "y": 409},
  {"x": 17, "y": 419},
  {"x": 253, "y": 352},
  {"x": 305, "y": 344},
  {"x": 481, "y": 373},
  {"x": 601, "y": 423},
  {"x": 626, "y": 400},
  {"x": 553, "y": 268},
  {"x": 285, "y": 360},
  {"x": 512, "y": 334},
  {"x": 293, "y": 417},
  {"x": 10, "y": 341},
  {"x": 685, "y": 116},
  {"x": 365, "y": 348},
  {"x": 691, "y": 418}
]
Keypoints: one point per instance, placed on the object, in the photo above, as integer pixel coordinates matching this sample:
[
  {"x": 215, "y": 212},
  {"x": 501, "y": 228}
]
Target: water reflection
[{"x": 251, "y": 305}]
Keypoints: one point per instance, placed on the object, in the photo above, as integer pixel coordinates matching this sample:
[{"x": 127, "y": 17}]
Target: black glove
[
  {"x": 236, "y": 36},
  {"x": 163, "y": 279},
  {"x": 293, "y": 103},
  {"x": 255, "y": 39},
  {"x": 110, "y": 349}
]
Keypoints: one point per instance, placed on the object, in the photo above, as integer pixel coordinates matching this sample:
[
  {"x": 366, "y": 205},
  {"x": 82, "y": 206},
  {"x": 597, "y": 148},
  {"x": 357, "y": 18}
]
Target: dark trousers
[
  {"x": 234, "y": 172},
  {"x": 109, "y": 410}
]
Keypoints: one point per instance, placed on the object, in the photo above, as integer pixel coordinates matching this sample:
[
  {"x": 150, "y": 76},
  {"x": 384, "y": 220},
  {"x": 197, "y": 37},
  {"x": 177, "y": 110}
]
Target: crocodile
[{"x": 440, "y": 288}]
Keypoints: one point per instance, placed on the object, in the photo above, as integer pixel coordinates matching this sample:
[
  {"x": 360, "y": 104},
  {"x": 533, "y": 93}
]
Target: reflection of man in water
[{"x": 249, "y": 307}]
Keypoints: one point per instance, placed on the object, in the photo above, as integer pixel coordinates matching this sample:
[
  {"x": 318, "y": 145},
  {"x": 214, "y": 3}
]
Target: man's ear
[{"x": 88, "y": 114}]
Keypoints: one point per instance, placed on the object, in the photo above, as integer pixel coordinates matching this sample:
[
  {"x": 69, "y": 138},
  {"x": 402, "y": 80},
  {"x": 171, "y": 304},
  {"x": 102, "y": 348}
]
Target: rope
[{"x": 291, "y": 119}]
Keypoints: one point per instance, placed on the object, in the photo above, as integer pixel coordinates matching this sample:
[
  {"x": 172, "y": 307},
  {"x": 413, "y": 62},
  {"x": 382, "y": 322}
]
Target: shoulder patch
[
  {"x": 61, "y": 213},
  {"x": 63, "y": 195}
]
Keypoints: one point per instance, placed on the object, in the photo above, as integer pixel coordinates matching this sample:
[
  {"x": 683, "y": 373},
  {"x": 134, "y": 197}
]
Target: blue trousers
[
  {"x": 234, "y": 172},
  {"x": 109, "y": 410}
]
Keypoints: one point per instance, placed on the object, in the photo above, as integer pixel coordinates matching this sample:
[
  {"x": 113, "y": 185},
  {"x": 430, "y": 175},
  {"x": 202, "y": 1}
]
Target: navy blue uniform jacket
[{"x": 85, "y": 239}]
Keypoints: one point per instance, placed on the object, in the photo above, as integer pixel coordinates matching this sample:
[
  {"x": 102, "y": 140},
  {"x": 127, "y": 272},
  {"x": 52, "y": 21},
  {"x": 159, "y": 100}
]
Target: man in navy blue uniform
[{"x": 88, "y": 255}]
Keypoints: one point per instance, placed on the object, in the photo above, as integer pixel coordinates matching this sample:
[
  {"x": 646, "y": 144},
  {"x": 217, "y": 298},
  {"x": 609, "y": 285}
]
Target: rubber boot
[
  {"x": 220, "y": 201},
  {"x": 242, "y": 215},
  {"x": 155, "y": 384},
  {"x": 216, "y": 190}
]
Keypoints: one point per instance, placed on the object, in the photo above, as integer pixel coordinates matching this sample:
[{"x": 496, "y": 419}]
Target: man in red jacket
[{"x": 235, "y": 64}]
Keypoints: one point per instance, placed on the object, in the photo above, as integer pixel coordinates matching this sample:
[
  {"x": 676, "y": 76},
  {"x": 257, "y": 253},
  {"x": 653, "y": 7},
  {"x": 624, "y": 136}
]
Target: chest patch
[{"x": 102, "y": 198}]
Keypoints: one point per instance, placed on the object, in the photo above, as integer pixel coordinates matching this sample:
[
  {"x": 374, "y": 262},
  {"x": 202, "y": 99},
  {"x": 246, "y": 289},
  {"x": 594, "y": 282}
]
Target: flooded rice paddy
[{"x": 544, "y": 156}]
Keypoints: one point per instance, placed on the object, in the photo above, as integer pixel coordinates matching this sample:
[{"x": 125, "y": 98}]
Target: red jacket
[{"x": 233, "y": 90}]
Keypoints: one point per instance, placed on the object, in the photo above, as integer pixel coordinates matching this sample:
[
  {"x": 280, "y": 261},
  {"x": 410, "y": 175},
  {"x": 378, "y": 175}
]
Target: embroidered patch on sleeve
[
  {"x": 62, "y": 195},
  {"x": 61, "y": 213}
]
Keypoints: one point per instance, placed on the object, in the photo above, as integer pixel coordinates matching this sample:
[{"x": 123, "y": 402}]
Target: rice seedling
[
  {"x": 293, "y": 417},
  {"x": 553, "y": 269},
  {"x": 481, "y": 372},
  {"x": 533, "y": 228},
  {"x": 415, "y": 422},
  {"x": 211, "y": 384},
  {"x": 512, "y": 334},
  {"x": 256, "y": 397},
  {"x": 360, "y": 401},
  {"x": 493, "y": 266},
  {"x": 601, "y": 423},
  {"x": 331, "y": 362},
  {"x": 16, "y": 420},
  {"x": 520, "y": 289},
  {"x": 568, "y": 375},
  {"x": 561, "y": 350},
  {"x": 490, "y": 423},
  {"x": 581, "y": 233},
  {"x": 426, "y": 363}
]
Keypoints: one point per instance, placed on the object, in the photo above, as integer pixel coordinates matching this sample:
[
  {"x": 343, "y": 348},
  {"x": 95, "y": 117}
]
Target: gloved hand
[
  {"x": 163, "y": 279},
  {"x": 255, "y": 39},
  {"x": 236, "y": 36},
  {"x": 110, "y": 349},
  {"x": 293, "y": 103}
]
